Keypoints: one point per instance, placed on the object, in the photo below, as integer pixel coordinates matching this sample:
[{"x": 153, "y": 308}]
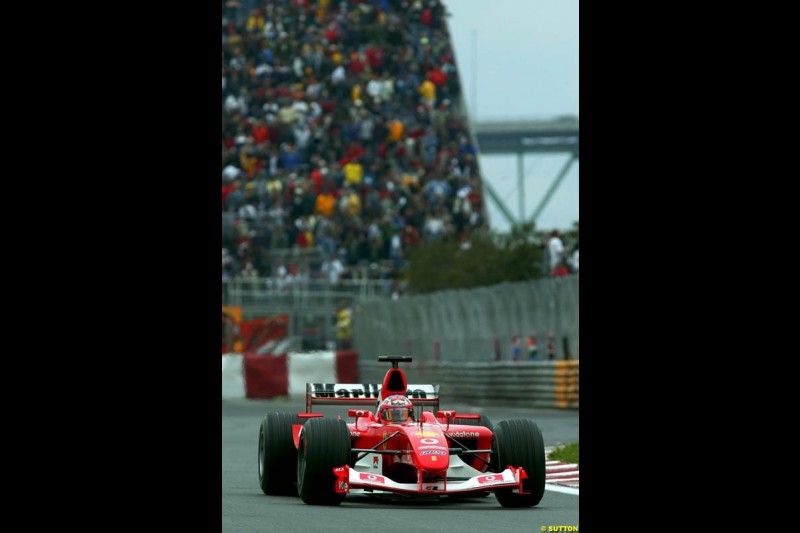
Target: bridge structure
[{"x": 520, "y": 138}]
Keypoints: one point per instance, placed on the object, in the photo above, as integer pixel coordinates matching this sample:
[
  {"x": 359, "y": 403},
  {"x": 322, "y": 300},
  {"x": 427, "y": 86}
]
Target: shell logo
[{"x": 425, "y": 434}]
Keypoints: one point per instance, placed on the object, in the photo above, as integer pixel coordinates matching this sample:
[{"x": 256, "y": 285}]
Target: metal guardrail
[
  {"x": 549, "y": 384},
  {"x": 277, "y": 292}
]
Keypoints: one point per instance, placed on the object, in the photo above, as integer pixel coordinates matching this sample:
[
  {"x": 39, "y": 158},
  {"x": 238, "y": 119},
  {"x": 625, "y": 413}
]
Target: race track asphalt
[{"x": 246, "y": 509}]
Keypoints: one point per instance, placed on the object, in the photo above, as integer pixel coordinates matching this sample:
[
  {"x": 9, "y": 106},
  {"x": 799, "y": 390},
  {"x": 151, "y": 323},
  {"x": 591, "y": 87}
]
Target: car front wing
[{"x": 511, "y": 478}]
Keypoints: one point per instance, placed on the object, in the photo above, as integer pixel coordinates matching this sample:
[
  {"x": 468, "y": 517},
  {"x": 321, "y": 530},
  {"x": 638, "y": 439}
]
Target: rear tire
[
  {"x": 324, "y": 445},
  {"x": 518, "y": 442},
  {"x": 277, "y": 456}
]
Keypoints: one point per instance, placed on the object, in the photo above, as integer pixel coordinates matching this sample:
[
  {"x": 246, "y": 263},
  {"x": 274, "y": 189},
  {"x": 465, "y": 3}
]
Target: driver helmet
[{"x": 396, "y": 408}]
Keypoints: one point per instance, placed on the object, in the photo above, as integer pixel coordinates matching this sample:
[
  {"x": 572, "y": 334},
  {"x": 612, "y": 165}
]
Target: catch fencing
[
  {"x": 475, "y": 325},
  {"x": 310, "y": 304}
]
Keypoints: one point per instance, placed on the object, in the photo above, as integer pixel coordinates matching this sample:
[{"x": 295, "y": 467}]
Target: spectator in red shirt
[
  {"x": 560, "y": 269},
  {"x": 260, "y": 132},
  {"x": 226, "y": 190},
  {"x": 356, "y": 64},
  {"x": 374, "y": 55},
  {"x": 410, "y": 236},
  {"x": 438, "y": 77}
]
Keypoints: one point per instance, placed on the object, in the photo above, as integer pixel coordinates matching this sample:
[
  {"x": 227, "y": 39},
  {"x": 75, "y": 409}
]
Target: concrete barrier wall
[{"x": 553, "y": 384}]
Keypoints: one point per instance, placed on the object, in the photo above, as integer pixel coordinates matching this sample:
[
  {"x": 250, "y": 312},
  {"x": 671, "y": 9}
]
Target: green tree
[
  {"x": 572, "y": 234},
  {"x": 489, "y": 259}
]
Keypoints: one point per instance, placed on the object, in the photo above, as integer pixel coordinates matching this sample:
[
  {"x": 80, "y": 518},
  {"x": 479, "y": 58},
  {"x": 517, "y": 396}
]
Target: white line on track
[{"x": 565, "y": 490}]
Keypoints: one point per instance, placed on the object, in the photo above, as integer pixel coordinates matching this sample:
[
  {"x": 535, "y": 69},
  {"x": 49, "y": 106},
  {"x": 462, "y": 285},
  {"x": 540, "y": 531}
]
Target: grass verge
[{"x": 567, "y": 453}]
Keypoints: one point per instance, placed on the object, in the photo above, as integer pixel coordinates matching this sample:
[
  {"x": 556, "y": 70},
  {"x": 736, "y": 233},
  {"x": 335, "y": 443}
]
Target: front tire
[
  {"x": 324, "y": 445},
  {"x": 518, "y": 442},
  {"x": 276, "y": 454}
]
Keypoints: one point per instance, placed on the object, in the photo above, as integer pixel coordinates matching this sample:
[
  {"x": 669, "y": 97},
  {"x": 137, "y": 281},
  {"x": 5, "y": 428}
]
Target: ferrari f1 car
[{"x": 400, "y": 443}]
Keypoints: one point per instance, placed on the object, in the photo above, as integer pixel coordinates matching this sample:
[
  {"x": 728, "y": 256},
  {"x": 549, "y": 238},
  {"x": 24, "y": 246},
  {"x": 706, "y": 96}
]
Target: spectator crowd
[{"x": 342, "y": 134}]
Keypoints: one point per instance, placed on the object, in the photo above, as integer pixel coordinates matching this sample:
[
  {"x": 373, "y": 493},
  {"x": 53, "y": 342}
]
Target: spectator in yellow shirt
[
  {"x": 351, "y": 203},
  {"x": 353, "y": 172},
  {"x": 255, "y": 23},
  {"x": 427, "y": 92}
]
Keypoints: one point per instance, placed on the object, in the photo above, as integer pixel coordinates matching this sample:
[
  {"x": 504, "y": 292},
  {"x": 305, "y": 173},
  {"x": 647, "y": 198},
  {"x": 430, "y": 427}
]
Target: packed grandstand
[{"x": 344, "y": 137}]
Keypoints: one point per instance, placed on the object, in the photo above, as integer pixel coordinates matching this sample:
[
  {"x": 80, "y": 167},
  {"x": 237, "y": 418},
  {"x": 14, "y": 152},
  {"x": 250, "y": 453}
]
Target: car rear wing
[{"x": 357, "y": 394}]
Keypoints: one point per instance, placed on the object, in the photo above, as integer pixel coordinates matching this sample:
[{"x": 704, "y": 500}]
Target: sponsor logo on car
[
  {"x": 355, "y": 433},
  {"x": 366, "y": 390},
  {"x": 429, "y": 441},
  {"x": 494, "y": 478},
  {"x": 425, "y": 433},
  {"x": 431, "y": 448},
  {"x": 464, "y": 434},
  {"x": 371, "y": 477},
  {"x": 433, "y": 452}
]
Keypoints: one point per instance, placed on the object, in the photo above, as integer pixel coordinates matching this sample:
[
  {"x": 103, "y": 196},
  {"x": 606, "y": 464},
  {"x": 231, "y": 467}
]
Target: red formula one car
[{"x": 395, "y": 446}]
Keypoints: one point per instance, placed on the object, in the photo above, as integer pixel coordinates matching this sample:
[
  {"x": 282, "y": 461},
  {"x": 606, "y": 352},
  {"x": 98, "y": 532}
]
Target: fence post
[
  {"x": 552, "y": 347},
  {"x": 436, "y": 350},
  {"x": 497, "y": 354}
]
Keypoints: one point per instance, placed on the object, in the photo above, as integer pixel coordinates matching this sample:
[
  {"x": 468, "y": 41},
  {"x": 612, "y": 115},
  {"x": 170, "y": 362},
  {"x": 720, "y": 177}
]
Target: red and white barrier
[
  {"x": 268, "y": 376},
  {"x": 232, "y": 382},
  {"x": 313, "y": 367}
]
